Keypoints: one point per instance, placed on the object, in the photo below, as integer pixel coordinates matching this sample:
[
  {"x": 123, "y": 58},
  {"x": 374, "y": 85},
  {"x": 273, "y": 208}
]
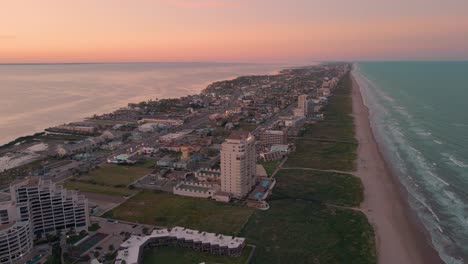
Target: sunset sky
[{"x": 232, "y": 30}]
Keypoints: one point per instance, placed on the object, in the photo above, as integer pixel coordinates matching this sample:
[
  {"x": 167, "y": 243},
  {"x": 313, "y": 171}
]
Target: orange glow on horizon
[{"x": 217, "y": 30}]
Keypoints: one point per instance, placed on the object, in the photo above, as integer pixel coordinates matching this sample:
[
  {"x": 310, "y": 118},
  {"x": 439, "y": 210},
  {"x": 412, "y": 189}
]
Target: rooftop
[
  {"x": 130, "y": 249},
  {"x": 274, "y": 132}
]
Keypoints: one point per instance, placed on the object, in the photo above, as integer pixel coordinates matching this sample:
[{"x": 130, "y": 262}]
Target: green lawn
[
  {"x": 270, "y": 166},
  {"x": 95, "y": 188},
  {"x": 117, "y": 175},
  {"x": 176, "y": 255},
  {"x": 325, "y": 187},
  {"x": 338, "y": 125},
  {"x": 305, "y": 232},
  {"x": 165, "y": 209}
]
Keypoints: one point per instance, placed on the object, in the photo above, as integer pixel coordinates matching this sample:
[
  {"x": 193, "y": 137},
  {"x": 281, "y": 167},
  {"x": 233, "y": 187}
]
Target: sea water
[
  {"x": 36, "y": 96},
  {"x": 419, "y": 115}
]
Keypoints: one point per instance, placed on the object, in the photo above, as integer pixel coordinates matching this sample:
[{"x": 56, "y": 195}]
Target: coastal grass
[
  {"x": 323, "y": 187},
  {"x": 246, "y": 126},
  {"x": 329, "y": 144},
  {"x": 295, "y": 231},
  {"x": 168, "y": 210},
  {"x": 177, "y": 255},
  {"x": 95, "y": 188},
  {"x": 270, "y": 166},
  {"x": 323, "y": 155},
  {"x": 308, "y": 220},
  {"x": 118, "y": 175}
]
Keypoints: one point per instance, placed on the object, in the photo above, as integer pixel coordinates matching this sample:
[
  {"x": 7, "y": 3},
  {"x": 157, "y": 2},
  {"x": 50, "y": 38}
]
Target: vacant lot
[
  {"x": 175, "y": 255},
  {"x": 165, "y": 209},
  {"x": 95, "y": 188},
  {"x": 117, "y": 175},
  {"x": 305, "y": 232},
  {"x": 329, "y": 144},
  {"x": 324, "y": 187}
]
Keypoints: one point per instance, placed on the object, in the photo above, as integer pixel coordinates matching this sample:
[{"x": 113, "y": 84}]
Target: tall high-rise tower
[
  {"x": 302, "y": 105},
  {"x": 238, "y": 161}
]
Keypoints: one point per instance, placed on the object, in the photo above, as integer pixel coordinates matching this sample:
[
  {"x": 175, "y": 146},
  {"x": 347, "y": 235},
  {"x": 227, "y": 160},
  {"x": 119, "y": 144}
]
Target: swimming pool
[{"x": 35, "y": 259}]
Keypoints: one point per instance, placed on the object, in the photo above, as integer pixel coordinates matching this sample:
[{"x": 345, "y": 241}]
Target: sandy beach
[{"x": 399, "y": 238}]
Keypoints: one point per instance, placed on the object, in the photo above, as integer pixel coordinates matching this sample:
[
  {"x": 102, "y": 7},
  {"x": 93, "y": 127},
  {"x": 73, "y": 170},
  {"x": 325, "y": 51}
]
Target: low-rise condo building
[{"x": 130, "y": 252}]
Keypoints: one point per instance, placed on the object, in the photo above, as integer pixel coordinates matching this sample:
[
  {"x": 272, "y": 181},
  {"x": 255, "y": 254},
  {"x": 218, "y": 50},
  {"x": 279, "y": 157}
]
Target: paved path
[
  {"x": 312, "y": 169},
  {"x": 323, "y": 140}
]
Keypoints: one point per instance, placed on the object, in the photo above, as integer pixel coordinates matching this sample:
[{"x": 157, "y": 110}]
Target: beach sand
[{"x": 399, "y": 238}]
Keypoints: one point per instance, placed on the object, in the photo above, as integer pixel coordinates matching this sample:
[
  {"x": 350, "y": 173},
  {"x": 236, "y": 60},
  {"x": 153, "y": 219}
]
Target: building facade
[
  {"x": 273, "y": 137},
  {"x": 238, "y": 164},
  {"x": 48, "y": 207},
  {"x": 36, "y": 208},
  {"x": 302, "y": 106},
  {"x": 15, "y": 236},
  {"x": 15, "y": 242},
  {"x": 131, "y": 251}
]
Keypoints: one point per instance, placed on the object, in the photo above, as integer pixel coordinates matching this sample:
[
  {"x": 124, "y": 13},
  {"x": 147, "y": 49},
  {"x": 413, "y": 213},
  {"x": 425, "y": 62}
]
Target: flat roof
[
  {"x": 194, "y": 188},
  {"x": 130, "y": 249},
  {"x": 238, "y": 135}
]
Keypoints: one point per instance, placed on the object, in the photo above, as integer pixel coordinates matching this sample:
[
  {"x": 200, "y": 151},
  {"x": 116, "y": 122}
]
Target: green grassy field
[
  {"x": 337, "y": 126},
  {"x": 306, "y": 232},
  {"x": 165, "y": 209},
  {"x": 117, "y": 175},
  {"x": 94, "y": 188},
  {"x": 324, "y": 187},
  {"x": 176, "y": 255},
  {"x": 301, "y": 225}
]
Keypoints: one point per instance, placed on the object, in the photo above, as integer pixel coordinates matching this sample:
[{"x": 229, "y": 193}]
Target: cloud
[{"x": 203, "y": 3}]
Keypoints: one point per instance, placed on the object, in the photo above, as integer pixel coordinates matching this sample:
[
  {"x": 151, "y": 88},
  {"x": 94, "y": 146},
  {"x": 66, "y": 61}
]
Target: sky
[{"x": 232, "y": 30}]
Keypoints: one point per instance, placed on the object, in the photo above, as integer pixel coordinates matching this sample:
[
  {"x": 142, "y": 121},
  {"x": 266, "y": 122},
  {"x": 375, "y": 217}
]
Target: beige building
[
  {"x": 302, "y": 105},
  {"x": 238, "y": 160},
  {"x": 272, "y": 137}
]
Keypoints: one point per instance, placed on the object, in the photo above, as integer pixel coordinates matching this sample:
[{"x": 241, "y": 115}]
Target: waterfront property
[
  {"x": 238, "y": 164},
  {"x": 130, "y": 252},
  {"x": 37, "y": 208}
]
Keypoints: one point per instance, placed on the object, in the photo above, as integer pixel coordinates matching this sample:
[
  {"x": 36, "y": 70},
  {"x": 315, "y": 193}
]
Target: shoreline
[
  {"x": 399, "y": 239},
  {"x": 272, "y": 69}
]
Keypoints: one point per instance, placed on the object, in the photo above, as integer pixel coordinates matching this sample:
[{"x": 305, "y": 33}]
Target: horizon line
[{"x": 223, "y": 62}]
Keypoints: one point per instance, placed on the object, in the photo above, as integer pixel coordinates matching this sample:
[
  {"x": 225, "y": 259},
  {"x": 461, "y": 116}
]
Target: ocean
[
  {"x": 419, "y": 115},
  {"x": 37, "y": 96}
]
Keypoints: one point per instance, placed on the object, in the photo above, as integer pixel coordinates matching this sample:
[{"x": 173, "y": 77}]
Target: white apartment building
[
  {"x": 37, "y": 207},
  {"x": 48, "y": 207},
  {"x": 238, "y": 161},
  {"x": 15, "y": 236}
]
